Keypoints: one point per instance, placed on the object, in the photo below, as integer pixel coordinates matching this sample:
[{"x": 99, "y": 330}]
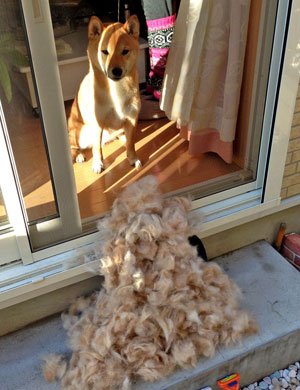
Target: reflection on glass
[
  {"x": 3, "y": 215},
  {"x": 19, "y": 104},
  {"x": 162, "y": 148}
]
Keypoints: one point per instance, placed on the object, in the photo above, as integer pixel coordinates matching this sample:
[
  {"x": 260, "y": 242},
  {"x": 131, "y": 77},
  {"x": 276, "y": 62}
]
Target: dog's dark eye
[
  {"x": 105, "y": 52},
  {"x": 124, "y": 52}
]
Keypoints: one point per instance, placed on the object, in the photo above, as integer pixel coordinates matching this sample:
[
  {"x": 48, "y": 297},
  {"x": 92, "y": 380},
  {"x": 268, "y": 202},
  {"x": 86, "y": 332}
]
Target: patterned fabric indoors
[
  {"x": 201, "y": 89},
  {"x": 160, "y": 34}
]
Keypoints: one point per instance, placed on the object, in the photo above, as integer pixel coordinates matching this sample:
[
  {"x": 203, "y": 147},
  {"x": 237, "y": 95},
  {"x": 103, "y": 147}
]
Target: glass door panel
[
  {"x": 162, "y": 147},
  {"x": 23, "y": 120},
  {"x": 57, "y": 194},
  {"x": 13, "y": 234},
  {"x": 34, "y": 131},
  {"x": 70, "y": 28}
]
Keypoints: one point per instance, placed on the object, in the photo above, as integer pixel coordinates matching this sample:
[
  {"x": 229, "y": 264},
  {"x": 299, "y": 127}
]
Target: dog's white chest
[
  {"x": 110, "y": 107},
  {"x": 122, "y": 101}
]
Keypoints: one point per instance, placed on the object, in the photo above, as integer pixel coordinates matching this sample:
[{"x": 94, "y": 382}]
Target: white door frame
[
  {"x": 37, "y": 18},
  {"x": 285, "y": 107},
  {"x": 14, "y": 244}
]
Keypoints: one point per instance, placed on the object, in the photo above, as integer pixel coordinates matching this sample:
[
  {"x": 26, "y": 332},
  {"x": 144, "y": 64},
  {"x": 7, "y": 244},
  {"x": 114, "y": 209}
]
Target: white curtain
[{"x": 201, "y": 89}]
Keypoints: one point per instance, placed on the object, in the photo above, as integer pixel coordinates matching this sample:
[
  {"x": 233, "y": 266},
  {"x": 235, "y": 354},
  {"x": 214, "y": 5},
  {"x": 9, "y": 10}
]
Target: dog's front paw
[
  {"x": 138, "y": 164},
  {"x": 135, "y": 161},
  {"x": 80, "y": 158},
  {"x": 97, "y": 166}
]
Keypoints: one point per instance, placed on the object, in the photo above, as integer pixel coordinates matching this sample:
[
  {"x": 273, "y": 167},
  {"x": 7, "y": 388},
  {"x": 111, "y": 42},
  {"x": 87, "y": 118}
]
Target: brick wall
[{"x": 291, "y": 178}]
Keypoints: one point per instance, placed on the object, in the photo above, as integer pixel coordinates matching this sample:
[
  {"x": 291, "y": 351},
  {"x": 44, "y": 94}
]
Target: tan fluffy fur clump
[{"x": 161, "y": 306}]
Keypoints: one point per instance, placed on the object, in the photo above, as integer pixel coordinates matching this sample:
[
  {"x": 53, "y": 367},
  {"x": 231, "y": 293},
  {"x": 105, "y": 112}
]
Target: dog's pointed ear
[
  {"x": 95, "y": 28},
  {"x": 132, "y": 26}
]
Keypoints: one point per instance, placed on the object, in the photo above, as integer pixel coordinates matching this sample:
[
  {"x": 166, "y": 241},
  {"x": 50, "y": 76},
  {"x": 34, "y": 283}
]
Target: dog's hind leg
[
  {"x": 129, "y": 130},
  {"x": 77, "y": 155},
  {"x": 97, "y": 165},
  {"x": 80, "y": 158},
  {"x": 76, "y": 151}
]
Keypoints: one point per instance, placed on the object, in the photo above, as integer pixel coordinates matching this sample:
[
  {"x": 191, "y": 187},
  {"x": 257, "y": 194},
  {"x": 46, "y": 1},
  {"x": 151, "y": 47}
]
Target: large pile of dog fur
[{"x": 161, "y": 306}]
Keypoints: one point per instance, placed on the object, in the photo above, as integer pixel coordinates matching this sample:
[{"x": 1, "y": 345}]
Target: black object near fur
[{"x": 195, "y": 241}]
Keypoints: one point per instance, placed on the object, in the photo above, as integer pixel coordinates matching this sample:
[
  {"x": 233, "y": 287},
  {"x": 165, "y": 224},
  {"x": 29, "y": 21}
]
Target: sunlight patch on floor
[{"x": 172, "y": 145}]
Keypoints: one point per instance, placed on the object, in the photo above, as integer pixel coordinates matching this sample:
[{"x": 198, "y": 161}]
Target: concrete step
[{"x": 271, "y": 290}]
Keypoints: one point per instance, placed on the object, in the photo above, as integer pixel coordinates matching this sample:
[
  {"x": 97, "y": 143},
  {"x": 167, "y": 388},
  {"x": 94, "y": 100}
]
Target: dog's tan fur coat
[
  {"x": 161, "y": 306},
  {"x": 106, "y": 102}
]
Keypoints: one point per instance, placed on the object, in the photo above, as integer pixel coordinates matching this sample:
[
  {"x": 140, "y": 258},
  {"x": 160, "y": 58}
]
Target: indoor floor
[{"x": 162, "y": 151}]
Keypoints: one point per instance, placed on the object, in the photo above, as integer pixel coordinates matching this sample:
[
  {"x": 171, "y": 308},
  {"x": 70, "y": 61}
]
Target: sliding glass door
[
  {"x": 48, "y": 199},
  {"x": 34, "y": 131}
]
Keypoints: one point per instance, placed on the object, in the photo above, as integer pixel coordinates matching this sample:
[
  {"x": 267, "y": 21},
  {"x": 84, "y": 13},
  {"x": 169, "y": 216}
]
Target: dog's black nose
[{"x": 117, "y": 72}]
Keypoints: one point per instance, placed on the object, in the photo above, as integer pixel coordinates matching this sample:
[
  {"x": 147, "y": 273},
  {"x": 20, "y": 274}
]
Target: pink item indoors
[{"x": 160, "y": 34}]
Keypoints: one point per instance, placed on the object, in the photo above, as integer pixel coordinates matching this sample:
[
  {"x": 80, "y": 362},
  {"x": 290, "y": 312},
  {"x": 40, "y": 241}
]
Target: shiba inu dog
[{"x": 108, "y": 98}]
